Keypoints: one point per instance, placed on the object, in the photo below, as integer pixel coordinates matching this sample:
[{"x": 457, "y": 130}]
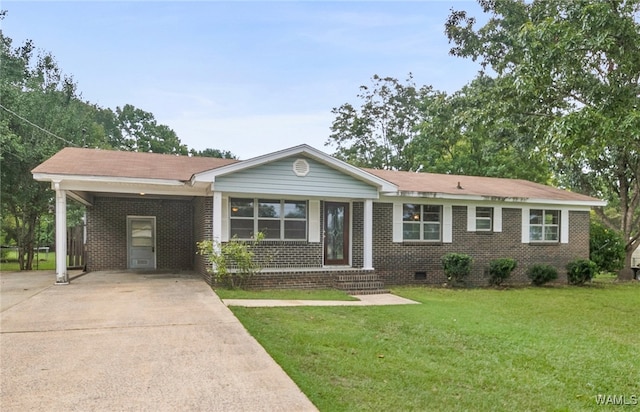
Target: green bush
[
  {"x": 457, "y": 266},
  {"x": 541, "y": 273},
  {"x": 500, "y": 270},
  {"x": 235, "y": 254},
  {"x": 606, "y": 247},
  {"x": 580, "y": 271}
]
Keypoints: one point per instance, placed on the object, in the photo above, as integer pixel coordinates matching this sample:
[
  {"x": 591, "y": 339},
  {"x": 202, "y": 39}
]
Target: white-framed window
[
  {"x": 421, "y": 222},
  {"x": 277, "y": 219},
  {"x": 484, "y": 219},
  {"x": 544, "y": 225}
]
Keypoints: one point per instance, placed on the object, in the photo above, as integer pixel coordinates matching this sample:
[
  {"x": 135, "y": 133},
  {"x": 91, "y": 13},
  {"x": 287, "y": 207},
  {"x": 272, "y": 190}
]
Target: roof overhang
[
  {"x": 383, "y": 186},
  {"x": 479, "y": 198},
  {"x": 102, "y": 184}
]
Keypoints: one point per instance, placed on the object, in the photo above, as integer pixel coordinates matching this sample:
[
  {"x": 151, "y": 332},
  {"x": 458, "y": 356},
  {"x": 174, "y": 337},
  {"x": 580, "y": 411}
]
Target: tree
[
  {"x": 378, "y": 134},
  {"x": 39, "y": 106},
  {"x": 472, "y": 132},
  {"x": 221, "y": 154},
  {"x": 578, "y": 64},
  {"x": 138, "y": 131},
  {"x": 606, "y": 247}
]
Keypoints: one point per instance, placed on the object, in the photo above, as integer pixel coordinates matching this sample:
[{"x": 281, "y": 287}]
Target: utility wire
[{"x": 37, "y": 127}]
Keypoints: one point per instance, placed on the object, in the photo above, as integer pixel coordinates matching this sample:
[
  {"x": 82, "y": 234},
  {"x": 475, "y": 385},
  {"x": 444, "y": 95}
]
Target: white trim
[
  {"x": 471, "y": 218},
  {"x": 525, "y": 224},
  {"x": 480, "y": 198},
  {"x": 497, "y": 219},
  {"x": 62, "y": 277},
  {"x": 210, "y": 175},
  {"x": 564, "y": 226},
  {"x": 45, "y": 177},
  {"x": 225, "y": 218},
  {"x": 173, "y": 188},
  {"x": 368, "y": 235},
  {"x": 447, "y": 224},
  {"x": 216, "y": 228},
  {"x": 397, "y": 222},
  {"x": 314, "y": 221}
]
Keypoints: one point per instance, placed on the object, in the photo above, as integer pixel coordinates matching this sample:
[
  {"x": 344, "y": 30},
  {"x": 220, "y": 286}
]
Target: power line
[{"x": 38, "y": 127}]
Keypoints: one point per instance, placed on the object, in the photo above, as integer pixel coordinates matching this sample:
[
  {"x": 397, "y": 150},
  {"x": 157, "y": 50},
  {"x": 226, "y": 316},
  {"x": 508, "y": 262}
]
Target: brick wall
[
  {"x": 107, "y": 232},
  {"x": 203, "y": 230},
  {"x": 397, "y": 263}
]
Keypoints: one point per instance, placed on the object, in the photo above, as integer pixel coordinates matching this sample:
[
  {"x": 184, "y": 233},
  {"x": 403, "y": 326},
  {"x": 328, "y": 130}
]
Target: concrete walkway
[
  {"x": 131, "y": 342},
  {"x": 363, "y": 300}
]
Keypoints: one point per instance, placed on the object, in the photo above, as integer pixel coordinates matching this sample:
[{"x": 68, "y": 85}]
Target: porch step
[{"x": 360, "y": 284}]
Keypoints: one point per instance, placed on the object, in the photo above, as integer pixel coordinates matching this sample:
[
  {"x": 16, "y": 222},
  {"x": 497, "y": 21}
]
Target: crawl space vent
[{"x": 301, "y": 167}]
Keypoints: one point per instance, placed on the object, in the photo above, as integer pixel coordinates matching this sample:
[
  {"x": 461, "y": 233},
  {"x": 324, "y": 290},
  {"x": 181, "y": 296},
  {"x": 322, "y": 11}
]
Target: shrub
[
  {"x": 235, "y": 254},
  {"x": 541, "y": 273},
  {"x": 606, "y": 247},
  {"x": 580, "y": 271},
  {"x": 500, "y": 270},
  {"x": 457, "y": 266}
]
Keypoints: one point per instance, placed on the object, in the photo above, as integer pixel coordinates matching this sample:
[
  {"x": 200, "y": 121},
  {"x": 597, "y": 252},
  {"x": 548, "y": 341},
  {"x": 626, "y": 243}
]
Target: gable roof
[
  {"x": 304, "y": 150},
  {"x": 112, "y": 163},
  {"x": 441, "y": 185},
  {"x": 117, "y": 166}
]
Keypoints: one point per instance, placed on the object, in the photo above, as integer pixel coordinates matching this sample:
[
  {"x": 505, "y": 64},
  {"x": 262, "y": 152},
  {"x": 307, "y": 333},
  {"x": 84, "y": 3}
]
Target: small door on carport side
[{"x": 141, "y": 242}]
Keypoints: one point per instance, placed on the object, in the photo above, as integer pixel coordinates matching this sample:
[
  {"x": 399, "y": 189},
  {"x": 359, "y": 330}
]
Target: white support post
[
  {"x": 62, "y": 277},
  {"x": 368, "y": 235},
  {"x": 217, "y": 218},
  {"x": 216, "y": 224}
]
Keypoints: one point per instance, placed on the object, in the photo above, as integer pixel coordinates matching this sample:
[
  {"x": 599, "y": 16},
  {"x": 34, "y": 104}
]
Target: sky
[{"x": 251, "y": 77}]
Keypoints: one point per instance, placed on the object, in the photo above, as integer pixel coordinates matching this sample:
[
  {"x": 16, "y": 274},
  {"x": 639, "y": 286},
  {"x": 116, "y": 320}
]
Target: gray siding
[{"x": 278, "y": 178}]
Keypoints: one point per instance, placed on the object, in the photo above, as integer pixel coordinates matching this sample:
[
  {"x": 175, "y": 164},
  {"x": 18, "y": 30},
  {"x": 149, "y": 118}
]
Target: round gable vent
[{"x": 301, "y": 167}]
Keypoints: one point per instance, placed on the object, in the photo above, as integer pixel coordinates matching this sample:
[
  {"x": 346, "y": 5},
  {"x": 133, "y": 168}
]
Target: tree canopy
[
  {"x": 41, "y": 111},
  {"x": 556, "y": 100},
  {"x": 578, "y": 65},
  {"x": 379, "y": 133}
]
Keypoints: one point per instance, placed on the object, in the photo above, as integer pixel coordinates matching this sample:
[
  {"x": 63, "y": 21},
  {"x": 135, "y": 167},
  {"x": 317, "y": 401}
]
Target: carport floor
[{"x": 125, "y": 341}]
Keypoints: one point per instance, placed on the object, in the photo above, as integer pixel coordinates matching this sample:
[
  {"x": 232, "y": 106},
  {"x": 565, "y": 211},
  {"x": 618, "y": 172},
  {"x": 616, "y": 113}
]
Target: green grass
[
  {"x": 41, "y": 261},
  {"x": 286, "y": 294},
  {"x": 550, "y": 348}
]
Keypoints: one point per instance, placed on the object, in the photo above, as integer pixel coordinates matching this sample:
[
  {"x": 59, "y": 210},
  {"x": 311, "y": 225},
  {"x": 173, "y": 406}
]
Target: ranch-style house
[{"x": 326, "y": 223}]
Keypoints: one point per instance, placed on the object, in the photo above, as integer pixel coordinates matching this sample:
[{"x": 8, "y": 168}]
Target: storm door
[
  {"x": 336, "y": 233},
  {"x": 141, "y": 242}
]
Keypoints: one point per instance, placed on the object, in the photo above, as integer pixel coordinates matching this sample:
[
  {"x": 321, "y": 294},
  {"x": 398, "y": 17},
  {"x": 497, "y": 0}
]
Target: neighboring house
[
  {"x": 635, "y": 263},
  {"x": 325, "y": 221}
]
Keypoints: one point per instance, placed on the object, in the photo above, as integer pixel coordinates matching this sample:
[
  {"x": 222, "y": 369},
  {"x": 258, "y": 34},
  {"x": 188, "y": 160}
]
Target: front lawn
[{"x": 551, "y": 348}]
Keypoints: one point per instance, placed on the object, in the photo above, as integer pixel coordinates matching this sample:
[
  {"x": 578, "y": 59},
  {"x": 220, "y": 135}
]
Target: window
[
  {"x": 421, "y": 222},
  {"x": 544, "y": 225},
  {"x": 484, "y": 219},
  {"x": 277, "y": 219}
]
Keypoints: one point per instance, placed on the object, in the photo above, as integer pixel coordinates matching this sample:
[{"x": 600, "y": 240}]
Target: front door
[
  {"x": 336, "y": 233},
  {"x": 141, "y": 241}
]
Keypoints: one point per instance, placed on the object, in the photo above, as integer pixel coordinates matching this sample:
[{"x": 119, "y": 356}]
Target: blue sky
[{"x": 249, "y": 77}]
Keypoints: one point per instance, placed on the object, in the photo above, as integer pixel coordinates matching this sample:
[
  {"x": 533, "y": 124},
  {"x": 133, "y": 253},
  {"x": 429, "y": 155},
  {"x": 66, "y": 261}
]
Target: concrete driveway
[{"x": 131, "y": 342}]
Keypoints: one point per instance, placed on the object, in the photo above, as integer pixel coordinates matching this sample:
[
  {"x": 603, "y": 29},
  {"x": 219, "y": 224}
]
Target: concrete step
[{"x": 360, "y": 284}]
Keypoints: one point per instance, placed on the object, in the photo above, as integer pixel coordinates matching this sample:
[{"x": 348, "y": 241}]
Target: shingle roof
[
  {"x": 119, "y": 164},
  {"x": 475, "y": 186},
  {"x": 111, "y": 163}
]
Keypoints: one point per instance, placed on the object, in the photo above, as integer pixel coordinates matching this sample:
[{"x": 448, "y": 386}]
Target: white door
[{"x": 141, "y": 240}]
